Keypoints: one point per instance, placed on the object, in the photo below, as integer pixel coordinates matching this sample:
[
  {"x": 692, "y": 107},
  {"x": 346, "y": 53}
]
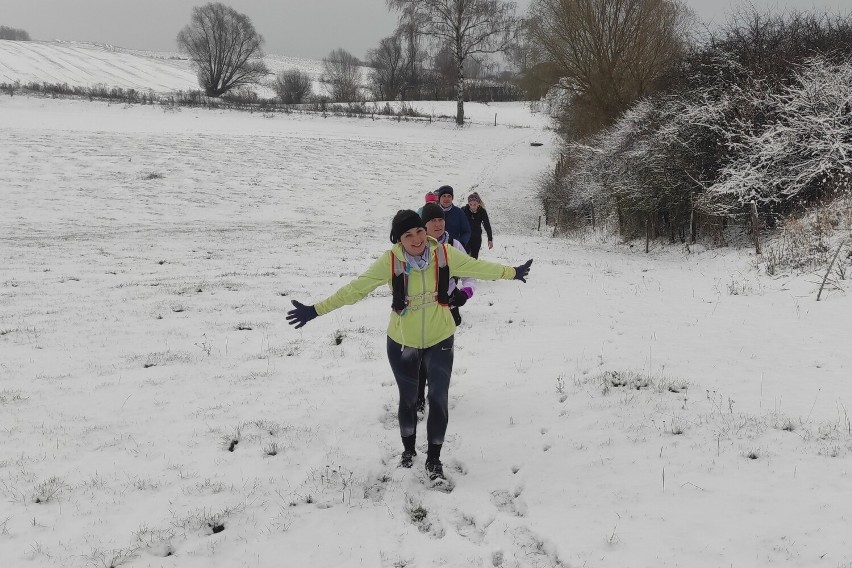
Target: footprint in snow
[{"x": 509, "y": 502}]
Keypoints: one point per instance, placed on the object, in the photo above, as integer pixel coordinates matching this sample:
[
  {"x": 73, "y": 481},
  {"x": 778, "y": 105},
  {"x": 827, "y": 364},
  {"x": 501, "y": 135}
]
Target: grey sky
[{"x": 305, "y": 28}]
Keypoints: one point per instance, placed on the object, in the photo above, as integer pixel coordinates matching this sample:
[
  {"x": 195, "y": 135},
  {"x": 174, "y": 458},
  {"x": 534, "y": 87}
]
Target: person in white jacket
[{"x": 460, "y": 290}]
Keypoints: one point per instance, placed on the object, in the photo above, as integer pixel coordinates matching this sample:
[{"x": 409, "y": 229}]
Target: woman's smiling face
[{"x": 414, "y": 241}]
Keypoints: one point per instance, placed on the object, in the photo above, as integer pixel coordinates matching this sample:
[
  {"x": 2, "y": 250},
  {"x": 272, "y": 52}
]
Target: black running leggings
[
  {"x": 405, "y": 364},
  {"x": 473, "y": 246}
]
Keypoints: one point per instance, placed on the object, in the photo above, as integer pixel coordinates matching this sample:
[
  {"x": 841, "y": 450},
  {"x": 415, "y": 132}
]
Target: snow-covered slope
[
  {"x": 674, "y": 409},
  {"x": 86, "y": 64}
]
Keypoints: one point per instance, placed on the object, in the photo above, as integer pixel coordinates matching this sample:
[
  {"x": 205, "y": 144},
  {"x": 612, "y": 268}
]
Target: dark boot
[
  {"x": 435, "y": 470},
  {"x": 434, "y": 467},
  {"x": 407, "y": 459},
  {"x": 408, "y": 453}
]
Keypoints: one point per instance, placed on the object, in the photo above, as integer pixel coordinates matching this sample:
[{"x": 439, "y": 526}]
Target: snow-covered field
[
  {"x": 619, "y": 410},
  {"x": 88, "y": 64}
]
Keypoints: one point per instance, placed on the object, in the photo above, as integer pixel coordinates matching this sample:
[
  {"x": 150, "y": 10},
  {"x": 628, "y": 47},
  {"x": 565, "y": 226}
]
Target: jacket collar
[{"x": 399, "y": 252}]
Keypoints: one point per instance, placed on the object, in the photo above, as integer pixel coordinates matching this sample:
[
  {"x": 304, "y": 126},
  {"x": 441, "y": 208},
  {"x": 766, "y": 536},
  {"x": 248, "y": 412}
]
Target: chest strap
[{"x": 399, "y": 283}]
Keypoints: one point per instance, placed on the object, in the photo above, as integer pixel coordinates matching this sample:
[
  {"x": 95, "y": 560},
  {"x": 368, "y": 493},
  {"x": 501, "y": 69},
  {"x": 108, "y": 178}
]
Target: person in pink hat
[{"x": 431, "y": 197}]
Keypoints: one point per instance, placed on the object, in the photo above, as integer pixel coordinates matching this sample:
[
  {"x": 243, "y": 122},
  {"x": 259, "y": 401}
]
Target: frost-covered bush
[
  {"x": 769, "y": 46},
  {"x": 752, "y": 115},
  {"x": 651, "y": 168},
  {"x": 805, "y": 152}
]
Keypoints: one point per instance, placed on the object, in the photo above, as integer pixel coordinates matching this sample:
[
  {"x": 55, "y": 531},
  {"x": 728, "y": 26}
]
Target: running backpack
[{"x": 399, "y": 282}]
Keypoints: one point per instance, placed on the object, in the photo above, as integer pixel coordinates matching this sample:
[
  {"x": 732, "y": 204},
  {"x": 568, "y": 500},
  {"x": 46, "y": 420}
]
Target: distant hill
[{"x": 87, "y": 64}]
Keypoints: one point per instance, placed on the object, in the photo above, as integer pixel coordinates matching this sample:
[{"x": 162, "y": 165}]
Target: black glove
[
  {"x": 301, "y": 315},
  {"x": 522, "y": 271},
  {"x": 459, "y": 298}
]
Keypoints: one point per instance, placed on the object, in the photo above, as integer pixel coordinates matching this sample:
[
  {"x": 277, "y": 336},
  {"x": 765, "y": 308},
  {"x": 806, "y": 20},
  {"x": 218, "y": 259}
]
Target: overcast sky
[{"x": 305, "y": 28}]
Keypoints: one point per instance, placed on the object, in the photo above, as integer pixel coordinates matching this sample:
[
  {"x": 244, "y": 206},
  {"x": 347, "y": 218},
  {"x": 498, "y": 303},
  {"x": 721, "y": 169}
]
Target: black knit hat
[
  {"x": 404, "y": 220},
  {"x": 431, "y": 211},
  {"x": 444, "y": 189}
]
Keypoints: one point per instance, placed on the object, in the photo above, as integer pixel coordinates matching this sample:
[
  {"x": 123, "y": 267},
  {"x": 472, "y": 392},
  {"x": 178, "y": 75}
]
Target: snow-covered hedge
[
  {"x": 702, "y": 155},
  {"x": 805, "y": 152}
]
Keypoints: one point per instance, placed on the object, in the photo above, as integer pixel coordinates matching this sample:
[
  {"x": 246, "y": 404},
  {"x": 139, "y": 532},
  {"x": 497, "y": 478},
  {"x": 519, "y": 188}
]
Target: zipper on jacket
[{"x": 423, "y": 333}]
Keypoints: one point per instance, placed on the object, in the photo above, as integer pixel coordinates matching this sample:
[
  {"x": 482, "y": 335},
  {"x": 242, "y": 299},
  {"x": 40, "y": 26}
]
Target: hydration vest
[{"x": 399, "y": 283}]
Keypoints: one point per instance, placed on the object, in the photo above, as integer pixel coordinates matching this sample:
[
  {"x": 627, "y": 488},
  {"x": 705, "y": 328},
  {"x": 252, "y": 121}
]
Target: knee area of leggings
[{"x": 438, "y": 399}]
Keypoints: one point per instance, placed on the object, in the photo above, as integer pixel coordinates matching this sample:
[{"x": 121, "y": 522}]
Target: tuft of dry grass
[{"x": 806, "y": 243}]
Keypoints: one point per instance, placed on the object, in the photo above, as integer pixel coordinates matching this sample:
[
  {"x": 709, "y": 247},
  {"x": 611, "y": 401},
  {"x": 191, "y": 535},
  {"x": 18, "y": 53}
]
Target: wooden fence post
[
  {"x": 647, "y": 233},
  {"x": 692, "y": 234},
  {"x": 755, "y": 227}
]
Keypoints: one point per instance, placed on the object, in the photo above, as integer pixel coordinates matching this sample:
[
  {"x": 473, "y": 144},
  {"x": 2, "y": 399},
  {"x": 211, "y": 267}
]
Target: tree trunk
[
  {"x": 692, "y": 225},
  {"x": 413, "y": 82},
  {"x": 460, "y": 91},
  {"x": 755, "y": 226}
]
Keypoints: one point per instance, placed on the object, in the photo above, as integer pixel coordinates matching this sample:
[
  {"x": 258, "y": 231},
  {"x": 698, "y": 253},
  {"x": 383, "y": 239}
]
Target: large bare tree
[
  {"x": 225, "y": 48},
  {"x": 469, "y": 27},
  {"x": 610, "y": 51}
]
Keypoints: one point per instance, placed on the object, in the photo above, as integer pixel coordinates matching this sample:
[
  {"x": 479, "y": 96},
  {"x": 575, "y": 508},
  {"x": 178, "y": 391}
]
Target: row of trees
[
  {"x": 464, "y": 28},
  {"x": 227, "y": 51},
  {"x": 386, "y": 76},
  {"x": 13, "y": 34}
]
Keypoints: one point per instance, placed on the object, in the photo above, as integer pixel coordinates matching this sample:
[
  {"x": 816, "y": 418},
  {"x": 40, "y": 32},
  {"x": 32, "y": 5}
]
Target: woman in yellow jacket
[{"x": 421, "y": 328}]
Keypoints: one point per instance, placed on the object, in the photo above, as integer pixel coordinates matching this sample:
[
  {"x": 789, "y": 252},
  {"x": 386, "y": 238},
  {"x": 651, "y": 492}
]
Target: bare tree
[
  {"x": 293, "y": 86},
  {"x": 342, "y": 72},
  {"x": 445, "y": 72},
  {"x": 443, "y": 78},
  {"x": 389, "y": 68},
  {"x": 470, "y": 27},
  {"x": 535, "y": 73},
  {"x": 610, "y": 51},
  {"x": 409, "y": 30},
  {"x": 225, "y": 48}
]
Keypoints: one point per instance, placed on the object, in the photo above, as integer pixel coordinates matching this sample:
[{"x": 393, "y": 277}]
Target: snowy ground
[{"x": 619, "y": 410}]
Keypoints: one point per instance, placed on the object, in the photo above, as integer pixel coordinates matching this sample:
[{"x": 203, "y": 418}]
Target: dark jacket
[
  {"x": 457, "y": 225},
  {"x": 476, "y": 222}
]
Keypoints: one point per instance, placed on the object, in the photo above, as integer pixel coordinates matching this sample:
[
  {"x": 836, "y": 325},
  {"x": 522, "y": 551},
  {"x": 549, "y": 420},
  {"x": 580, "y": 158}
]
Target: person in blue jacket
[{"x": 456, "y": 221}]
